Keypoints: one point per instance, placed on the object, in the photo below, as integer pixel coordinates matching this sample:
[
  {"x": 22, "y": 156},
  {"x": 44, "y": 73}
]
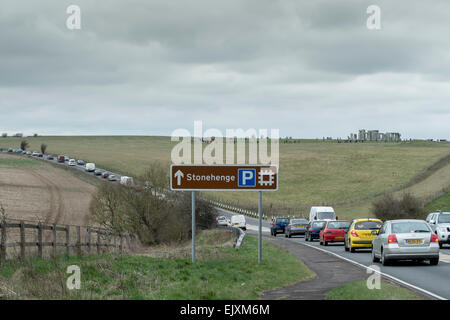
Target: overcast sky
[{"x": 146, "y": 67}]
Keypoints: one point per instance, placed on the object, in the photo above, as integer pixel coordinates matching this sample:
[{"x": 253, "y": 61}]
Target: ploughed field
[
  {"x": 348, "y": 176},
  {"x": 33, "y": 190}
]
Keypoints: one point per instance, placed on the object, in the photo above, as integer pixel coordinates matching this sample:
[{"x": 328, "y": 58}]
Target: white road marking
[
  {"x": 443, "y": 257},
  {"x": 382, "y": 273}
]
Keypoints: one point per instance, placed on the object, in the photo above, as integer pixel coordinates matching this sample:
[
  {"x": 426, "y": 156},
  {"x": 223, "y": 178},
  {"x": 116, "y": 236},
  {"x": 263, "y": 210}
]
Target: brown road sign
[{"x": 224, "y": 177}]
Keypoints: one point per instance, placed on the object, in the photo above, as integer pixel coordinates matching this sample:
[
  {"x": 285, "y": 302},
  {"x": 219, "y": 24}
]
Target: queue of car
[
  {"x": 88, "y": 167},
  {"x": 406, "y": 239}
]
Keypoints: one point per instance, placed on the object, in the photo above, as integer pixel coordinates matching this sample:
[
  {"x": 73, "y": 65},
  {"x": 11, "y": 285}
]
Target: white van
[
  {"x": 322, "y": 213},
  {"x": 238, "y": 221},
  {"x": 126, "y": 181},
  {"x": 90, "y": 167}
]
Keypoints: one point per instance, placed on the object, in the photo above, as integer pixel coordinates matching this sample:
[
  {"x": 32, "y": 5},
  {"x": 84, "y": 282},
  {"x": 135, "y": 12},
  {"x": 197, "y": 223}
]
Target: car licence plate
[
  {"x": 414, "y": 241},
  {"x": 279, "y": 230}
]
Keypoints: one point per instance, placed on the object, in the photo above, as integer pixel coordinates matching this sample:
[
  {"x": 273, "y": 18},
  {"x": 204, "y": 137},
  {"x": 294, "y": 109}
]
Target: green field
[
  {"x": 347, "y": 176},
  {"x": 358, "y": 291},
  {"x": 227, "y": 273}
]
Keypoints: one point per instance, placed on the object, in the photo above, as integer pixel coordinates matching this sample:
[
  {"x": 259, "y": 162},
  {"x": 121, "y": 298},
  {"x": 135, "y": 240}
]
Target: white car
[
  {"x": 222, "y": 221},
  {"x": 72, "y": 162},
  {"x": 90, "y": 167},
  {"x": 440, "y": 223},
  {"x": 238, "y": 221}
]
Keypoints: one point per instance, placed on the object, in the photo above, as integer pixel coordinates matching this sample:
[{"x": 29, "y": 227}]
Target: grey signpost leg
[
  {"x": 260, "y": 226},
  {"x": 193, "y": 226}
]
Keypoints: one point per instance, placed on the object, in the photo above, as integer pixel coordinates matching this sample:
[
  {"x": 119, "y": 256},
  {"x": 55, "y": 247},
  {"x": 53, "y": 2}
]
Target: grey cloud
[{"x": 149, "y": 67}]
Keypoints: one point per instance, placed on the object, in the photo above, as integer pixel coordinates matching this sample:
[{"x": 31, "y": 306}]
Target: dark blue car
[
  {"x": 278, "y": 226},
  {"x": 313, "y": 230}
]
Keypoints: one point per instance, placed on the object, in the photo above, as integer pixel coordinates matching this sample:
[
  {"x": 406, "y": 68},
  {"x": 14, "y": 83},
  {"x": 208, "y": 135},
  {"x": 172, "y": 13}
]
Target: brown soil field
[{"x": 42, "y": 192}]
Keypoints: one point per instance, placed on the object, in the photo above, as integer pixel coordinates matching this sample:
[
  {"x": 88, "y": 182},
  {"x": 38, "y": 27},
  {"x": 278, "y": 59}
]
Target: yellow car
[{"x": 361, "y": 233}]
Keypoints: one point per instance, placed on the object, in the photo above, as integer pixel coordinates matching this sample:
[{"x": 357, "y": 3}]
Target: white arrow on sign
[{"x": 179, "y": 175}]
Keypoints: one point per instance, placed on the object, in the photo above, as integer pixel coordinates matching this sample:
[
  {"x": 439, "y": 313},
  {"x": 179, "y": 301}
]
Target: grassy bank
[
  {"x": 222, "y": 273},
  {"x": 346, "y": 175},
  {"x": 358, "y": 291},
  {"x": 441, "y": 203}
]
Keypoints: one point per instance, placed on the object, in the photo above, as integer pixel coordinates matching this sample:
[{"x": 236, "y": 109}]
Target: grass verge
[
  {"x": 228, "y": 274},
  {"x": 358, "y": 291},
  {"x": 440, "y": 203}
]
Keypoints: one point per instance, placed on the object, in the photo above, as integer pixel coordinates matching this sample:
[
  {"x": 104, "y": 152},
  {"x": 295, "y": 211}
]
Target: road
[
  {"x": 66, "y": 164},
  {"x": 431, "y": 280}
]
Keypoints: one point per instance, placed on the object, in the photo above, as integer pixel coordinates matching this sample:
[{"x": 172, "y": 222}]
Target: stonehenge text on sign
[{"x": 224, "y": 177}]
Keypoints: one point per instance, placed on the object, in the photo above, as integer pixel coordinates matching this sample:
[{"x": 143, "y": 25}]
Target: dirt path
[
  {"x": 331, "y": 272},
  {"x": 56, "y": 210}
]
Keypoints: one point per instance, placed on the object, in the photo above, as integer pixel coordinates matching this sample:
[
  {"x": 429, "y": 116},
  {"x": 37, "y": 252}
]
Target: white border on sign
[{"x": 224, "y": 165}]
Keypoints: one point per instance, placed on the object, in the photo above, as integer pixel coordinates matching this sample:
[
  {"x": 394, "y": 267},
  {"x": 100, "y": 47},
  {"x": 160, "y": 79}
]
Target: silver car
[
  {"x": 295, "y": 226},
  {"x": 405, "y": 240},
  {"x": 440, "y": 223}
]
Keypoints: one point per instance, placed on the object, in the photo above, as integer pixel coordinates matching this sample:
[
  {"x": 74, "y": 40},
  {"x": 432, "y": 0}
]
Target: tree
[
  {"x": 24, "y": 145},
  {"x": 43, "y": 148}
]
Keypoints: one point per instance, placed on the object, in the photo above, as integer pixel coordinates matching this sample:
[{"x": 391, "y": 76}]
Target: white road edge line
[{"x": 381, "y": 273}]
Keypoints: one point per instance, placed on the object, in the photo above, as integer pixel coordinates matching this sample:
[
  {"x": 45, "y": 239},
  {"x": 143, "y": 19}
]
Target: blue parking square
[{"x": 246, "y": 178}]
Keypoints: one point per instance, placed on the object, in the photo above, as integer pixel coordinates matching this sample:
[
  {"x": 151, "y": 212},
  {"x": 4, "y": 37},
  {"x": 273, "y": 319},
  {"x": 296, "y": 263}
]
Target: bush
[
  {"x": 152, "y": 217},
  {"x": 43, "y": 148},
  {"x": 390, "y": 208},
  {"x": 24, "y": 145}
]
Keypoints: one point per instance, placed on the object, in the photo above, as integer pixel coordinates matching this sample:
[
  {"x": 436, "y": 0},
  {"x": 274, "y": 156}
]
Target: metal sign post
[
  {"x": 201, "y": 177},
  {"x": 193, "y": 226},
  {"x": 260, "y": 226}
]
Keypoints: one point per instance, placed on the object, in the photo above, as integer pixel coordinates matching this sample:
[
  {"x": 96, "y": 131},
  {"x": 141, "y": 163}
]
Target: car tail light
[
  {"x": 392, "y": 238},
  {"x": 291, "y": 225},
  {"x": 313, "y": 230},
  {"x": 354, "y": 233},
  {"x": 274, "y": 225},
  {"x": 434, "y": 238}
]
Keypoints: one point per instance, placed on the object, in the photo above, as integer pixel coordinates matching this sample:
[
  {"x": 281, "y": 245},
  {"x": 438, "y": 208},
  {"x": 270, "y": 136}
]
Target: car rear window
[
  {"x": 368, "y": 225},
  {"x": 338, "y": 225},
  {"x": 409, "y": 226},
  {"x": 325, "y": 215},
  {"x": 444, "y": 218},
  {"x": 282, "y": 220},
  {"x": 299, "y": 221}
]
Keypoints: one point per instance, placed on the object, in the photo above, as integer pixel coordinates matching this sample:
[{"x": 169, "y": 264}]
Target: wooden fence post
[
  {"x": 54, "y": 240},
  {"x": 68, "y": 240},
  {"x": 89, "y": 240},
  {"x": 98, "y": 241},
  {"x": 79, "y": 240},
  {"x": 121, "y": 244},
  {"x": 40, "y": 240},
  {"x": 22, "y": 239},
  {"x": 3, "y": 244}
]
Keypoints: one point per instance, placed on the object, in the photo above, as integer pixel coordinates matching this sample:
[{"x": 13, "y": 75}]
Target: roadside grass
[
  {"x": 358, "y": 291},
  {"x": 440, "y": 203},
  {"x": 312, "y": 172},
  {"x": 229, "y": 274}
]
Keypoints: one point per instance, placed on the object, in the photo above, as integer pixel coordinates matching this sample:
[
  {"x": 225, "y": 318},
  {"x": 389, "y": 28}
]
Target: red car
[
  {"x": 334, "y": 231},
  {"x": 61, "y": 159},
  {"x": 106, "y": 174}
]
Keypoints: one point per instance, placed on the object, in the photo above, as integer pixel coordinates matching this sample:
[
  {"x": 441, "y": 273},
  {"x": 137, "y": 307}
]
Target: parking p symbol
[{"x": 247, "y": 178}]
